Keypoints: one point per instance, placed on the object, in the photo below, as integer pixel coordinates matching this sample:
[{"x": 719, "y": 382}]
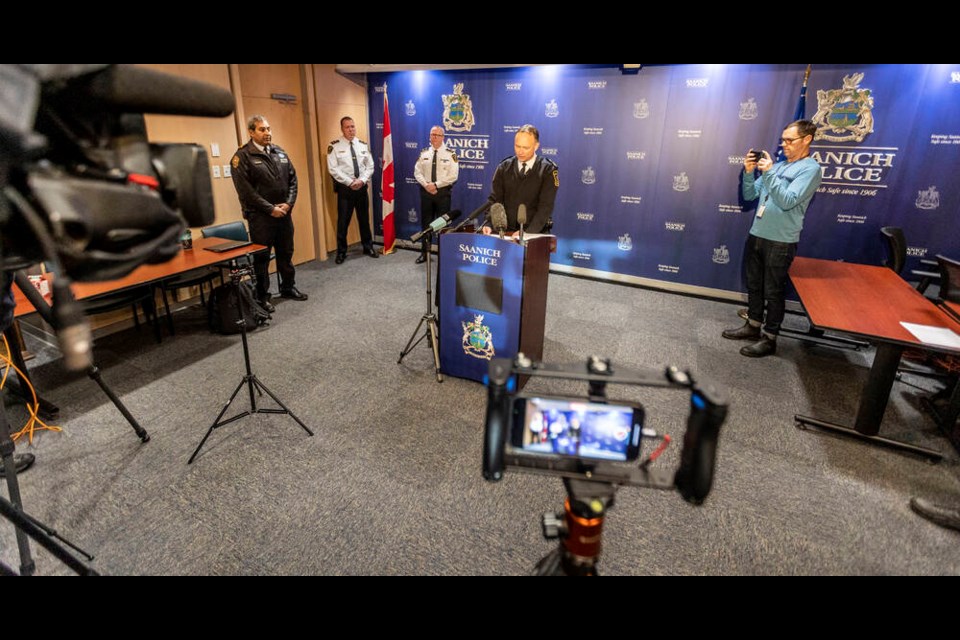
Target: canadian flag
[{"x": 386, "y": 181}]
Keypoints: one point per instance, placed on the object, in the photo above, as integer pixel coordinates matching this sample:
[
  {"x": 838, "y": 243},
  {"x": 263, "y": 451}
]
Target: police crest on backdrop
[
  {"x": 588, "y": 176},
  {"x": 681, "y": 182},
  {"x": 928, "y": 199},
  {"x": 748, "y": 110},
  {"x": 721, "y": 255},
  {"x": 845, "y": 114},
  {"x": 552, "y": 109},
  {"x": 641, "y": 109},
  {"x": 624, "y": 243},
  {"x": 457, "y": 110},
  {"x": 411, "y": 109}
]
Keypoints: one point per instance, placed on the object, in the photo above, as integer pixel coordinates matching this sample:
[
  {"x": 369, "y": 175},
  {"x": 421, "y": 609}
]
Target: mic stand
[
  {"x": 93, "y": 372},
  {"x": 27, "y": 566},
  {"x": 250, "y": 379},
  {"x": 430, "y": 318}
]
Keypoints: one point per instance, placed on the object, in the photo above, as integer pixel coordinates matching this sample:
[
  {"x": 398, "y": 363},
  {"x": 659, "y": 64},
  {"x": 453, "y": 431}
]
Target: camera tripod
[
  {"x": 25, "y": 525},
  {"x": 430, "y": 318},
  {"x": 250, "y": 379}
]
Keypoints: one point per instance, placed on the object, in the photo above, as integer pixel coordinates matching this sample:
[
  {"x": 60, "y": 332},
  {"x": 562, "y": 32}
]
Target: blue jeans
[{"x": 767, "y": 264}]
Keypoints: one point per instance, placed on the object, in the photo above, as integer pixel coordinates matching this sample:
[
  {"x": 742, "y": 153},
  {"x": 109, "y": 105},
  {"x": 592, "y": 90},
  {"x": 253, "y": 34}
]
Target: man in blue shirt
[{"x": 783, "y": 192}]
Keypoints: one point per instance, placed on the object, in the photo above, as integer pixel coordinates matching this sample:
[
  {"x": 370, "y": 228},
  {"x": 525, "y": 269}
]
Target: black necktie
[
  {"x": 433, "y": 169},
  {"x": 356, "y": 167},
  {"x": 523, "y": 169}
]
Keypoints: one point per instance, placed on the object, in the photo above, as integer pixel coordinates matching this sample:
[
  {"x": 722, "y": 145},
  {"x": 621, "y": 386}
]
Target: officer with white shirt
[
  {"x": 437, "y": 169},
  {"x": 351, "y": 166}
]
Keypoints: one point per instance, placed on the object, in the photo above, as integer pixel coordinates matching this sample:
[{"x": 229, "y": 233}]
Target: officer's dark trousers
[
  {"x": 278, "y": 234},
  {"x": 431, "y": 208},
  {"x": 349, "y": 201},
  {"x": 767, "y": 264}
]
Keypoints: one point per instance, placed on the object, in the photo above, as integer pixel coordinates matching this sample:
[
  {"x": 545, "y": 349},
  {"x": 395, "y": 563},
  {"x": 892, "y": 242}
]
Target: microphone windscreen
[
  {"x": 131, "y": 89},
  {"x": 522, "y": 214},
  {"x": 498, "y": 215}
]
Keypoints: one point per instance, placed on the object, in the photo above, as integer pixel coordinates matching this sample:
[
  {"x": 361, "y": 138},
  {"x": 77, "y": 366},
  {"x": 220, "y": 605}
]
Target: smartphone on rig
[{"x": 575, "y": 427}]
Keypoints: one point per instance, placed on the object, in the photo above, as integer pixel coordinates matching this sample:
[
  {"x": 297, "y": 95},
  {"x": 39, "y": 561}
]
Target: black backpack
[{"x": 223, "y": 310}]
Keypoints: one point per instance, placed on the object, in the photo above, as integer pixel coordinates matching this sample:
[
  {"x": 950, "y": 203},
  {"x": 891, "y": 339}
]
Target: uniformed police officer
[
  {"x": 351, "y": 166},
  {"x": 266, "y": 183},
  {"x": 437, "y": 170},
  {"x": 527, "y": 179}
]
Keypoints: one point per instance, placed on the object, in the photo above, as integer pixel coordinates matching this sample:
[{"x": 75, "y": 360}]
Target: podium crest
[{"x": 477, "y": 339}]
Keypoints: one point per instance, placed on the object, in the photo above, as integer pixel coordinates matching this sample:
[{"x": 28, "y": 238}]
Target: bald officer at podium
[{"x": 527, "y": 179}]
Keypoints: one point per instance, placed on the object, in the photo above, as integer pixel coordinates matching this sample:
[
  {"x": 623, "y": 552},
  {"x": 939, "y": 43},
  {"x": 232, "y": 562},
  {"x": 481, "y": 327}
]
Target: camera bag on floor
[{"x": 223, "y": 309}]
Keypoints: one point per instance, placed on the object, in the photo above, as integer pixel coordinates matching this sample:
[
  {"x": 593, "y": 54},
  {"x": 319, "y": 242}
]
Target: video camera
[{"x": 81, "y": 183}]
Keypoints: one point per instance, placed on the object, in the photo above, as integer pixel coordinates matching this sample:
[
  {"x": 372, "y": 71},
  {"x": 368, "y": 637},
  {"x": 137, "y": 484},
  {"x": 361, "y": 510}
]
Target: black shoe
[
  {"x": 370, "y": 251},
  {"x": 764, "y": 347},
  {"x": 267, "y": 306},
  {"x": 21, "y": 463},
  {"x": 943, "y": 516},
  {"x": 294, "y": 294},
  {"x": 743, "y": 313},
  {"x": 340, "y": 258},
  {"x": 746, "y": 332},
  {"x": 422, "y": 258}
]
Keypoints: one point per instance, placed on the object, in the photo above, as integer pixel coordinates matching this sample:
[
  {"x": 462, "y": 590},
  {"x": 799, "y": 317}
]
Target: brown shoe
[
  {"x": 763, "y": 347},
  {"x": 943, "y": 516},
  {"x": 746, "y": 332}
]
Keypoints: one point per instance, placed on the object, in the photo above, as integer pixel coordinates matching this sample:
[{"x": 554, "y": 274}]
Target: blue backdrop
[{"x": 649, "y": 163}]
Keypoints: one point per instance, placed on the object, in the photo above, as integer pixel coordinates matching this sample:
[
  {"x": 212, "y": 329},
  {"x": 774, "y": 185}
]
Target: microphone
[
  {"x": 521, "y": 218},
  {"x": 498, "y": 216},
  {"x": 437, "y": 224},
  {"x": 131, "y": 89},
  {"x": 67, "y": 319},
  {"x": 473, "y": 216}
]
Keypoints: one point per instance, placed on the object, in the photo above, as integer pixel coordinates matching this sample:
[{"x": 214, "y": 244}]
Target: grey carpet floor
[{"x": 391, "y": 482}]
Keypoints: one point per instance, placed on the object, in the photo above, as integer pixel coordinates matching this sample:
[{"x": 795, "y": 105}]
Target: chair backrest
[
  {"x": 896, "y": 248},
  {"x": 949, "y": 279},
  {"x": 228, "y": 231}
]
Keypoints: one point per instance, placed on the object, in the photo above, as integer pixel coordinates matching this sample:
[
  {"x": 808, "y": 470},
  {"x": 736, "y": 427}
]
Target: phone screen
[{"x": 577, "y": 428}]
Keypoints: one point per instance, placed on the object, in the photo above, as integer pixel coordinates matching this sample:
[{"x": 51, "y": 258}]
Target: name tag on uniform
[{"x": 760, "y": 210}]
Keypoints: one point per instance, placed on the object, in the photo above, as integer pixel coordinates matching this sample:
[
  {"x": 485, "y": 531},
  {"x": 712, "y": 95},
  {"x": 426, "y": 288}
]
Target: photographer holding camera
[{"x": 784, "y": 191}]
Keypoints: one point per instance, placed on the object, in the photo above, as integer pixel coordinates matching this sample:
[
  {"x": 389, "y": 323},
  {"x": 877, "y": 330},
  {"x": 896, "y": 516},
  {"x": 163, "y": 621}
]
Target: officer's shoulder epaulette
[
  {"x": 506, "y": 160},
  {"x": 361, "y": 141},
  {"x": 335, "y": 141},
  {"x": 548, "y": 161},
  {"x": 425, "y": 149}
]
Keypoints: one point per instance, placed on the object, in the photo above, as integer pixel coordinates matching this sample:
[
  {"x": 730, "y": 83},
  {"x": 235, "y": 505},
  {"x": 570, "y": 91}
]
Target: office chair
[
  {"x": 896, "y": 246},
  {"x": 233, "y": 231},
  {"x": 949, "y": 284}
]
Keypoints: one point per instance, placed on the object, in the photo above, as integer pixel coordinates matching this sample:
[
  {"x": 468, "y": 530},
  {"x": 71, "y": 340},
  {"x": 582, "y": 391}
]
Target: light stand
[
  {"x": 430, "y": 318},
  {"x": 250, "y": 379}
]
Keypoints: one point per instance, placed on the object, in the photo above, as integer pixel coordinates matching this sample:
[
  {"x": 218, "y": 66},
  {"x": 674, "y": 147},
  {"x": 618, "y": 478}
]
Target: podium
[{"x": 493, "y": 300}]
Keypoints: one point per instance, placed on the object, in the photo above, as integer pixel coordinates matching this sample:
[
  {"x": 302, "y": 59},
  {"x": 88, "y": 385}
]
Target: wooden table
[
  {"x": 869, "y": 302},
  {"x": 185, "y": 261}
]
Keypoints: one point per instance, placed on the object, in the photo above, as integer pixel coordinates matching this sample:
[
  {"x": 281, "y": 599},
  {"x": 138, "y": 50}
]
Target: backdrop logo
[
  {"x": 697, "y": 83},
  {"x": 597, "y": 84},
  {"x": 587, "y": 217},
  {"x": 552, "y": 110},
  {"x": 721, "y": 255},
  {"x": 411, "y": 109},
  {"x": 636, "y": 155},
  {"x": 681, "y": 182},
  {"x": 477, "y": 339},
  {"x": 549, "y": 151},
  {"x": 641, "y": 109},
  {"x": 624, "y": 243},
  {"x": 457, "y": 110},
  {"x": 955, "y": 77},
  {"x": 412, "y": 215},
  {"x": 411, "y": 145},
  {"x": 675, "y": 226},
  {"x": 917, "y": 252},
  {"x": 929, "y": 199},
  {"x": 512, "y": 86},
  {"x": 844, "y": 115},
  {"x": 748, "y": 110},
  {"x": 588, "y": 176}
]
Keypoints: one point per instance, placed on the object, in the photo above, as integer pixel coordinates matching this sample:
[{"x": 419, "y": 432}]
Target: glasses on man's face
[
  {"x": 786, "y": 141},
  {"x": 436, "y": 135}
]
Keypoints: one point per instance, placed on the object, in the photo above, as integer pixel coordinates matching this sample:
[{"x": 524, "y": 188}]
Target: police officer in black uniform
[
  {"x": 527, "y": 179},
  {"x": 266, "y": 183}
]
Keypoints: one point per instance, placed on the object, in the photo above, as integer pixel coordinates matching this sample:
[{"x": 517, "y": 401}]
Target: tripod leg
[
  {"x": 407, "y": 349},
  {"x": 216, "y": 423},
  {"x": 94, "y": 373},
  {"x": 260, "y": 385},
  {"x": 435, "y": 346},
  {"x": 27, "y": 566}
]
